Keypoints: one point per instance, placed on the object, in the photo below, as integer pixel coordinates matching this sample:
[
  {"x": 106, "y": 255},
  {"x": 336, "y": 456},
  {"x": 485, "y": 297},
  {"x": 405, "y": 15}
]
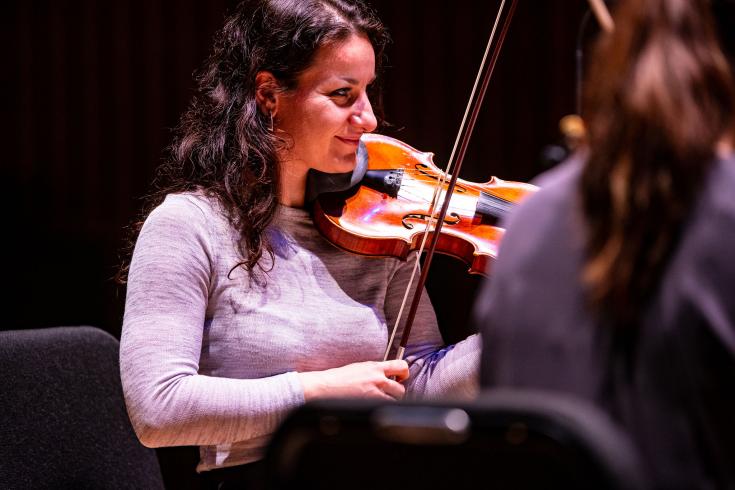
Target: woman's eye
[{"x": 342, "y": 92}]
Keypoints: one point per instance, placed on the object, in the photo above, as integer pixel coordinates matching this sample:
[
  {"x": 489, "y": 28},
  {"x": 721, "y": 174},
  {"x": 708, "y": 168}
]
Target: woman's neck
[{"x": 293, "y": 185}]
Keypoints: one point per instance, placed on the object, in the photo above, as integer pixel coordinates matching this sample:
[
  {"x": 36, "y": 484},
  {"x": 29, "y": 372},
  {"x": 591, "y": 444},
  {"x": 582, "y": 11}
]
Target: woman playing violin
[{"x": 237, "y": 309}]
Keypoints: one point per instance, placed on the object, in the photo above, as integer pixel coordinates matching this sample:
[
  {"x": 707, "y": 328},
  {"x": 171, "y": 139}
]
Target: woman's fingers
[
  {"x": 363, "y": 380},
  {"x": 393, "y": 389},
  {"x": 397, "y": 369}
]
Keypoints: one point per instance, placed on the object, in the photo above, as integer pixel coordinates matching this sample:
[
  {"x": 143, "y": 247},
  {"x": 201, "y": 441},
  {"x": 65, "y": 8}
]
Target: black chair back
[
  {"x": 504, "y": 440},
  {"x": 64, "y": 422}
]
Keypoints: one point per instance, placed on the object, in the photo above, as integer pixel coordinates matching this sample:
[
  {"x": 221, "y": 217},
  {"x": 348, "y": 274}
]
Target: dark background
[{"x": 93, "y": 89}]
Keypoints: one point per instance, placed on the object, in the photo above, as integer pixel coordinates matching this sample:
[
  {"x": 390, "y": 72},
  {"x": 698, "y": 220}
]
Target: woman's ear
[{"x": 266, "y": 92}]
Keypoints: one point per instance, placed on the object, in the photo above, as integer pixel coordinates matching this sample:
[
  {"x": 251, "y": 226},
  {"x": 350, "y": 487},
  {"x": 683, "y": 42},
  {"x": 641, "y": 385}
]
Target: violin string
[
  {"x": 415, "y": 171},
  {"x": 494, "y": 206},
  {"x": 407, "y": 191},
  {"x": 415, "y": 198},
  {"x": 425, "y": 173},
  {"x": 440, "y": 182},
  {"x": 409, "y": 195}
]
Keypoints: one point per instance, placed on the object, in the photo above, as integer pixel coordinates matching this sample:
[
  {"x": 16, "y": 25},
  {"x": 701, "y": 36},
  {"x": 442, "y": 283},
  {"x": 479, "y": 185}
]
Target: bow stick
[
  {"x": 473, "y": 108},
  {"x": 602, "y": 14}
]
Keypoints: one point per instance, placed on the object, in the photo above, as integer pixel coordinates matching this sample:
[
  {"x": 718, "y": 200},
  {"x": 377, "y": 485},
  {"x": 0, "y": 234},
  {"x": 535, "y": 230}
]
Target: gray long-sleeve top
[{"x": 209, "y": 355}]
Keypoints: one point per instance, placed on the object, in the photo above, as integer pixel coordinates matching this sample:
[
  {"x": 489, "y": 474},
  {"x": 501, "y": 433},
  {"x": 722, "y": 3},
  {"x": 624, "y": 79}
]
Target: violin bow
[
  {"x": 602, "y": 14},
  {"x": 487, "y": 66}
]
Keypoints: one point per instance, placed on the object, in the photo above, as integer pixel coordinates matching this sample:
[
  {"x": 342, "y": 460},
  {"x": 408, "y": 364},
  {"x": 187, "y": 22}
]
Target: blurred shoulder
[
  {"x": 557, "y": 189},
  {"x": 721, "y": 185},
  {"x": 560, "y": 179}
]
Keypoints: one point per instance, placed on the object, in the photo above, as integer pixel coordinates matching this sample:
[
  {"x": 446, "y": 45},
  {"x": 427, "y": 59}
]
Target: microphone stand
[
  {"x": 572, "y": 126},
  {"x": 579, "y": 57}
]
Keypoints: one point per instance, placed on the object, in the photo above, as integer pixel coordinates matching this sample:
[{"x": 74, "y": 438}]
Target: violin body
[{"x": 386, "y": 214}]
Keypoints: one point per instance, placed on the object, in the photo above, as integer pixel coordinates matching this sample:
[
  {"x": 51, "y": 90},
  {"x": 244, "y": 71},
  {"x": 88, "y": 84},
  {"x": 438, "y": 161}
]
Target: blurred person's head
[{"x": 659, "y": 103}]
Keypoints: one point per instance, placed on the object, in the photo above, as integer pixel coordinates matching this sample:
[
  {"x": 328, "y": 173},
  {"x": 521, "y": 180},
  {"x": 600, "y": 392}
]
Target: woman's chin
[{"x": 340, "y": 165}]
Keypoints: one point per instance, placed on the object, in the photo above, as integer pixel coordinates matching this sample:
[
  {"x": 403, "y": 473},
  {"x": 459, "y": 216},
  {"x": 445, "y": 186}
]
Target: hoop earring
[{"x": 270, "y": 128}]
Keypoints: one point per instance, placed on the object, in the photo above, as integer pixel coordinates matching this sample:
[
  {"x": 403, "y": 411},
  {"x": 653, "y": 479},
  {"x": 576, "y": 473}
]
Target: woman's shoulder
[
  {"x": 186, "y": 206},
  {"x": 185, "y": 214}
]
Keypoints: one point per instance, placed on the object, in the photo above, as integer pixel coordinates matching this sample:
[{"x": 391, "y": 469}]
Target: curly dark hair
[{"x": 223, "y": 146}]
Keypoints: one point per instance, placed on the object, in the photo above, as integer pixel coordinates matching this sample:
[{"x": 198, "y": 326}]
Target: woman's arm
[
  {"x": 437, "y": 370},
  {"x": 169, "y": 403}
]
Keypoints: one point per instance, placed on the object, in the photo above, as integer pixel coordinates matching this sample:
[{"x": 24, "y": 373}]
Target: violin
[{"x": 387, "y": 213}]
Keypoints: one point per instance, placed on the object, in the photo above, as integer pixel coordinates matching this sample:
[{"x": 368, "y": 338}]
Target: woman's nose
[{"x": 363, "y": 117}]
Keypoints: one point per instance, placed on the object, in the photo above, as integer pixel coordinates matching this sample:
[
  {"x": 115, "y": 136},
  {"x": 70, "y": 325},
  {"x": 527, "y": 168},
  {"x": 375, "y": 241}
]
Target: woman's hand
[{"x": 369, "y": 379}]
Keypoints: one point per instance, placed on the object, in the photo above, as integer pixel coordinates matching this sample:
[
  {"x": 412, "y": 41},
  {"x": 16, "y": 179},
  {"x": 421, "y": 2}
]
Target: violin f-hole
[{"x": 452, "y": 219}]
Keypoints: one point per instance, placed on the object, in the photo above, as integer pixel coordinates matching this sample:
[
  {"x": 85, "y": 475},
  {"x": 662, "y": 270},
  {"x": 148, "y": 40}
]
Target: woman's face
[{"x": 325, "y": 115}]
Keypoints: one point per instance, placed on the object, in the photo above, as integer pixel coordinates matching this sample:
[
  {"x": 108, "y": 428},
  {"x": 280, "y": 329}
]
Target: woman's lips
[{"x": 349, "y": 141}]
